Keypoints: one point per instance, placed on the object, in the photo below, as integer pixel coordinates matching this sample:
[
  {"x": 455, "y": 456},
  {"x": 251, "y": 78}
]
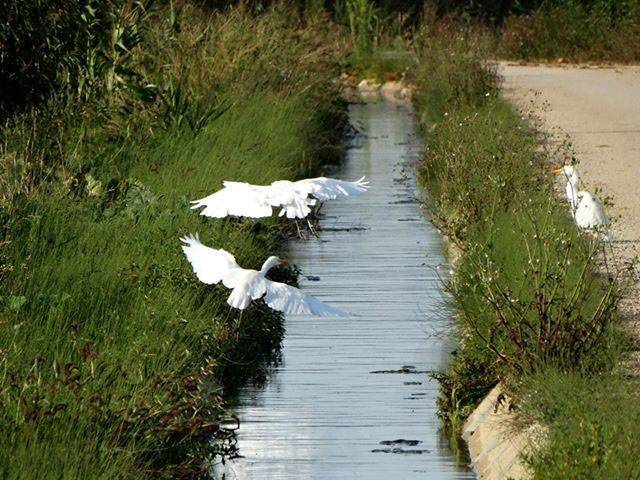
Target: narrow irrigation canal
[{"x": 351, "y": 397}]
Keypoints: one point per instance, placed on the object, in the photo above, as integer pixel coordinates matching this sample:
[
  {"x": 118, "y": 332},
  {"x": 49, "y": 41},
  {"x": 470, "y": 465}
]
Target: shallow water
[{"x": 346, "y": 389}]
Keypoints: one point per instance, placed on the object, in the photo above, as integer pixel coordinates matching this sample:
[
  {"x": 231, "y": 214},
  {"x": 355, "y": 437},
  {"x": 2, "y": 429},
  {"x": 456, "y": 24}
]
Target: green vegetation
[
  {"x": 113, "y": 356},
  {"x": 552, "y": 30},
  {"x": 593, "y": 425},
  {"x": 573, "y": 30},
  {"x": 378, "y": 40},
  {"x": 532, "y": 312},
  {"x": 115, "y": 114}
]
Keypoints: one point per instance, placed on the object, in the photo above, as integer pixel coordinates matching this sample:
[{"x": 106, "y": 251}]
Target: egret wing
[
  {"x": 211, "y": 266},
  {"x": 324, "y": 188},
  {"x": 292, "y": 300},
  {"x": 237, "y": 199}
]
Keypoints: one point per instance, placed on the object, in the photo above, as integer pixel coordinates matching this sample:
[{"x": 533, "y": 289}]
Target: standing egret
[
  {"x": 586, "y": 209},
  {"x": 573, "y": 184},
  {"x": 213, "y": 266},
  {"x": 257, "y": 201}
]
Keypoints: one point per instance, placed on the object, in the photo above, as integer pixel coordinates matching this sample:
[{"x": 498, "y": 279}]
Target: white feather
[
  {"x": 586, "y": 209},
  {"x": 324, "y": 188},
  {"x": 590, "y": 215},
  {"x": 293, "y": 301},
  {"x": 214, "y": 266},
  {"x": 211, "y": 266},
  {"x": 257, "y": 201},
  {"x": 236, "y": 199}
]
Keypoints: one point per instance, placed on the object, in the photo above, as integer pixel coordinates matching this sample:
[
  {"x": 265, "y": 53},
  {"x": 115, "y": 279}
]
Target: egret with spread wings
[
  {"x": 213, "y": 266},
  {"x": 293, "y": 198}
]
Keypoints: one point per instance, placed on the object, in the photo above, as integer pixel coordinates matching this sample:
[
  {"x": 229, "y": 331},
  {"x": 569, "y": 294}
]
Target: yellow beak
[{"x": 556, "y": 170}]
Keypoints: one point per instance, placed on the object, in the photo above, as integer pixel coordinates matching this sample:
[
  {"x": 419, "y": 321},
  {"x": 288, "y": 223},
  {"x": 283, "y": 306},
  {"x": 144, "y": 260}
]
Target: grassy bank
[
  {"x": 532, "y": 311},
  {"x": 113, "y": 356}
]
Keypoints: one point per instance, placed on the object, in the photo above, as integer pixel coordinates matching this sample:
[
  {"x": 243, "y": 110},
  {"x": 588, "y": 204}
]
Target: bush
[{"x": 451, "y": 71}]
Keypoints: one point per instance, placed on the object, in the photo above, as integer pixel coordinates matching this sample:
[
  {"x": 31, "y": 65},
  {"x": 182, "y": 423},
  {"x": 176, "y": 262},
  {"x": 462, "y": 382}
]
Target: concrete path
[{"x": 599, "y": 110}]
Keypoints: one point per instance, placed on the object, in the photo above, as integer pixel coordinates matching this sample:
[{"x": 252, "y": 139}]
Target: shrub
[{"x": 575, "y": 31}]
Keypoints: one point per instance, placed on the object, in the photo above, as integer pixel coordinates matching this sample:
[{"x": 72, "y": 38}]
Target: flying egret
[
  {"x": 213, "y": 266},
  {"x": 257, "y": 201},
  {"x": 586, "y": 209}
]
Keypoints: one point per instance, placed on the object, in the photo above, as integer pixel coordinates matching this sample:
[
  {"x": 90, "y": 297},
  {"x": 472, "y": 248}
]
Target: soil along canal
[{"x": 351, "y": 397}]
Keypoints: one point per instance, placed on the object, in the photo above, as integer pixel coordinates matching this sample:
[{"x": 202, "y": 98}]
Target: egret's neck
[
  {"x": 573, "y": 183},
  {"x": 269, "y": 264}
]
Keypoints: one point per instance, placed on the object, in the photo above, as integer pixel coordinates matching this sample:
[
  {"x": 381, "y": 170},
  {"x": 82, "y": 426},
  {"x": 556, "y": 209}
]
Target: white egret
[
  {"x": 573, "y": 184},
  {"x": 213, "y": 266},
  {"x": 586, "y": 209},
  {"x": 257, "y": 201}
]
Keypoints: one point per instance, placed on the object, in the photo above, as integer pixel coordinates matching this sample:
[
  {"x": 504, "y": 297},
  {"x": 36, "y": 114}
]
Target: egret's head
[
  {"x": 271, "y": 262},
  {"x": 567, "y": 170}
]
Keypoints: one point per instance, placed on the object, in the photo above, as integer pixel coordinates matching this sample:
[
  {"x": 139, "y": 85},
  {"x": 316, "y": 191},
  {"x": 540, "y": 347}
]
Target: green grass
[
  {"x": 113, "y": 319},
  {"x": 532, "y": 311},
  {"x": 592, "y": 422},
  {"x": 114, "y": 357}
]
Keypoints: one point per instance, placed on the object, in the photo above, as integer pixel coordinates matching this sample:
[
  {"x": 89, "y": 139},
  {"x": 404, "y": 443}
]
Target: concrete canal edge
[{"x": 496, "y": 445}]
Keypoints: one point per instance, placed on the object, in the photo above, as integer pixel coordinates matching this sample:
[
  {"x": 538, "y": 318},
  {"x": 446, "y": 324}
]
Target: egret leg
[
  {"x": 300, "y": 234},
  {"x": 238, "y": 325},
  {"x": 604, "y": 256},
  {"x": 313, "y": 223},
  {"x": 312, "y": 228}
]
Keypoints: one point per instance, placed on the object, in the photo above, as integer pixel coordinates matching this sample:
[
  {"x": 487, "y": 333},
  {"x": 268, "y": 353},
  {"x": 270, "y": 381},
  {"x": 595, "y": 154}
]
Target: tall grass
[
  {"x": 114, "y": 357},
  {"x": 363, "y": 20},
  {"x": 378, "y": 37}
]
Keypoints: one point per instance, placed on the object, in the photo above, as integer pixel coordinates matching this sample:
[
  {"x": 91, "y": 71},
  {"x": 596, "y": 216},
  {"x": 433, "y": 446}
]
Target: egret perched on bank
[
  {"x": 586, "y": 209},
  {"x": 256, "y": 201},
  {"x": 213, "y": 266}
]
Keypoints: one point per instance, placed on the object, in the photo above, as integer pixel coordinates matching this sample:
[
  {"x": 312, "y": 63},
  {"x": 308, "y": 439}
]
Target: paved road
[{"x": 599, "y": 109}]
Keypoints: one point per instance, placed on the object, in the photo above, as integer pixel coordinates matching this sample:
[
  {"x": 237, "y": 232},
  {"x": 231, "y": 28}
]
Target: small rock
[
  {"x": 392, "y": 89},
  {"x": 368, "y": 86}
]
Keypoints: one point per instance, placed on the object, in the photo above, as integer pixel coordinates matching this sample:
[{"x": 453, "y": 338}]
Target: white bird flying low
[
  {"x": 257, "y": 201},
  {"x": 213, "y": 266},
  {"x": 586, "y": 209}
]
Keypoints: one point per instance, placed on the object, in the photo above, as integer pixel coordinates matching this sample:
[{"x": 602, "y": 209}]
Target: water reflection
[{"x": 323, "y": 413}]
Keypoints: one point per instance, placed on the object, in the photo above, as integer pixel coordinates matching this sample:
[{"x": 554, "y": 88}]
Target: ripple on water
[{"x": 351, "y": 398}]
